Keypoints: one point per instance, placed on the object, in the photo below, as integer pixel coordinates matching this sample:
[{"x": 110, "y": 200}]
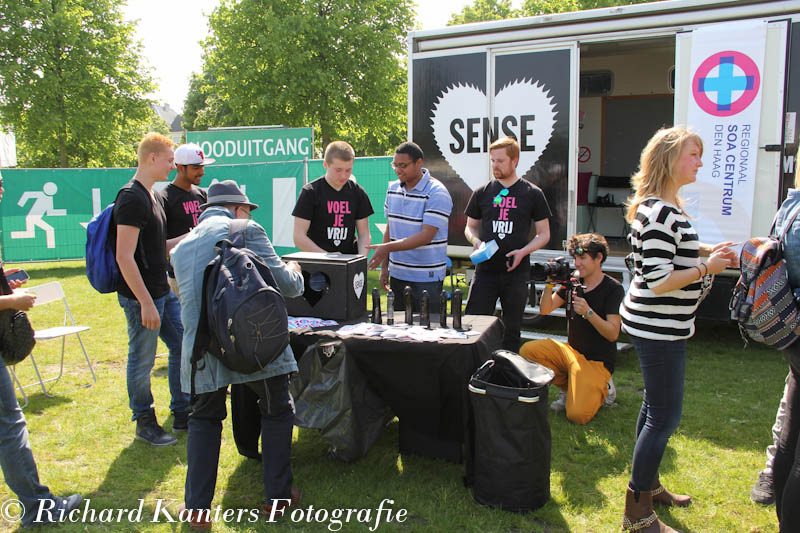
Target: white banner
[{"x": 724, "y": 109}]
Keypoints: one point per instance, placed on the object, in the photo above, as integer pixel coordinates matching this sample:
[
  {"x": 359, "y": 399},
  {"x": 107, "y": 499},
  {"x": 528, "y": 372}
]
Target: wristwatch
[{"x": 588, "y": 314}]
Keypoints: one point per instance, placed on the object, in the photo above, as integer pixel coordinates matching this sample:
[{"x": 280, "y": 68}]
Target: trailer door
[
  {"x": 729, "y": 88},
  {"x": 533, "y": 97}
]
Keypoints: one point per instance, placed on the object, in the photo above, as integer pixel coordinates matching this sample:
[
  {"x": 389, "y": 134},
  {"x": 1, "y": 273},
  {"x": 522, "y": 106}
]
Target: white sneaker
[
  {"x": 560, "y": 404},
  {"x": 612, "y": 394}
]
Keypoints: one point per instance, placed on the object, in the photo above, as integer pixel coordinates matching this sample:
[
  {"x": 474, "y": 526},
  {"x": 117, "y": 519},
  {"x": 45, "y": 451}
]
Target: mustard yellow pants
[{"x": 585, "y": 382}]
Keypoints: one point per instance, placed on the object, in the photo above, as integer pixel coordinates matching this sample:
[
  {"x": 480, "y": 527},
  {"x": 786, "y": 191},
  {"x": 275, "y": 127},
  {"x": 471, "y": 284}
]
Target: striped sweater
[{"x": 663, "y": 240}]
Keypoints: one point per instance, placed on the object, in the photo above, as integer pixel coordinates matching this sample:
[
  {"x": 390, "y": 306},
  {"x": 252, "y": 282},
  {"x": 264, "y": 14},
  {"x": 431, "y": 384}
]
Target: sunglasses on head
[
  {"x": 579, "y": 251},
  {"x": 499, "y": 198}
]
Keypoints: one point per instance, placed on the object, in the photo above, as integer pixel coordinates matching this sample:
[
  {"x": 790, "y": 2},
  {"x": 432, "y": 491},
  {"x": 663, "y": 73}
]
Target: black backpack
[{"x": 243, "y": 320}]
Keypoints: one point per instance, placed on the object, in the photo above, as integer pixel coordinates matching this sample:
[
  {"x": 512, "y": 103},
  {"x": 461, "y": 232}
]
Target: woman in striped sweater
[{"x": 659, "y": 308}]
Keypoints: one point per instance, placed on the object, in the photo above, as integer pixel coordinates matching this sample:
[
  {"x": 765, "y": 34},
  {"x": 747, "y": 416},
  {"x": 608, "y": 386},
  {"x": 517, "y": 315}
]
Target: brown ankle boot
[
  {"x": 639, "y": 514},
  {"x": 664, "y": 497}
]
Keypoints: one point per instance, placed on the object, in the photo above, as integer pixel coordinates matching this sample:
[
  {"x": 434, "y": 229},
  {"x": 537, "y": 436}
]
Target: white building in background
[{"x": 173, "y": 120}]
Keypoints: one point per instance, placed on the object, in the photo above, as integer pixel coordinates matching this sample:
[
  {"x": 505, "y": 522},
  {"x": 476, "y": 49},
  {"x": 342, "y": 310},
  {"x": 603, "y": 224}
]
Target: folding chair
[{"x": 45, "y": 294}]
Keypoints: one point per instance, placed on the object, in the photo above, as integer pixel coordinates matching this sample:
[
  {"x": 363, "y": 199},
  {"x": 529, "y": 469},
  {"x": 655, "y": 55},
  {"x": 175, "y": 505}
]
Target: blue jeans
[
  {"x": 16, "y": 457},
  {"x": 205, "y": 438},
  {"x": 434, "y": 289},
  {"x": 142, "y": 344},
  {"x": 663, "y": 366}
]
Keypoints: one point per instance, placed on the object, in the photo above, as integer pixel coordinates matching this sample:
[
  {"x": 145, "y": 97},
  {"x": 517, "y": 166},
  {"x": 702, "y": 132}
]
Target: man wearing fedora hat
[{"x": 189, "y": 258}]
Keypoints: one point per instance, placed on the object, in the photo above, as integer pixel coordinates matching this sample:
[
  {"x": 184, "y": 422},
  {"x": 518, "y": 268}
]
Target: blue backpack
[
  {"x": 101, "y": 265},
  {"x": 243, "y": 319}
]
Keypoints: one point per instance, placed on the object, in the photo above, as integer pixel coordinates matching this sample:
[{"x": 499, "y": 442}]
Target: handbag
[{"x": 16, "y": 333}]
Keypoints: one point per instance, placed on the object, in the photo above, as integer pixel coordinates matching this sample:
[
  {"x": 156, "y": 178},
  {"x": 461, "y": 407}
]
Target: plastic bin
[{"x": 511, "y": 461}]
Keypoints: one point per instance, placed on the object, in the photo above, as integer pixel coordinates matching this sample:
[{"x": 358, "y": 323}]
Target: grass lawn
[{"x": 83, "y": 442}]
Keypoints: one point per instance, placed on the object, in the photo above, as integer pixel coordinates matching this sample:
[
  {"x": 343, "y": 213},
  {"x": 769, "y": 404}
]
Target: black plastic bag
[{"x": 331, "y": 395}]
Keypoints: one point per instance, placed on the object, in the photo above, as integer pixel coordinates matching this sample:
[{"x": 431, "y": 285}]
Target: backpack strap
[
  {"x": 202, "y": 337},
  {"x": 237, "y": 232}
]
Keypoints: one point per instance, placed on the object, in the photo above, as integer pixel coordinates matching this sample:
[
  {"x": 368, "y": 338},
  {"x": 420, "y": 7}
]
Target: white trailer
[{"x": 584, "y": 91}]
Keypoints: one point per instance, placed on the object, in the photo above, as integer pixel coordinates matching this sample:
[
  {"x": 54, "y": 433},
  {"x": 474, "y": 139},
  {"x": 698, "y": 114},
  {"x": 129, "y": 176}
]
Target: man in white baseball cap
[{"x": 181, "y": 200}]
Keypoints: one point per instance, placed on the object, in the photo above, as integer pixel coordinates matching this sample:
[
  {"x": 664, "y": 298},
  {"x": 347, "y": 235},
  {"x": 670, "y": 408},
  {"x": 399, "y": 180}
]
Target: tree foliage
[
  {"x": 485, "y": 10},
  {"x": 336, "y": 65},
  {"x": 71, "y": 83},
  {"x": 482, "y": 11}
]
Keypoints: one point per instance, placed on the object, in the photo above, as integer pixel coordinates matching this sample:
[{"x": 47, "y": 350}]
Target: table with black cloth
[{"x": 424, "y": 383}]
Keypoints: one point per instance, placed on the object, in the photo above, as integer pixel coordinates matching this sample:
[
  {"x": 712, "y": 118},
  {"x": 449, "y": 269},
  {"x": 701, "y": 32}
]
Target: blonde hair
[
  {"x": 654, "y": 177},
  {"x": 153, "y": 143},
  {"x": 340, "y": 150}
]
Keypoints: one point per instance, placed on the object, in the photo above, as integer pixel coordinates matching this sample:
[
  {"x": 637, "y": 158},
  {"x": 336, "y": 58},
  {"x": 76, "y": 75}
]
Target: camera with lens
[{"x": 558, "y": 269}]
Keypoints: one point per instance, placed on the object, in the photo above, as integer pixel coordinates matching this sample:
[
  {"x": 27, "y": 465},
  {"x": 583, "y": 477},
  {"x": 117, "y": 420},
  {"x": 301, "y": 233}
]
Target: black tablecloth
[{"x": 424, "y": 383}]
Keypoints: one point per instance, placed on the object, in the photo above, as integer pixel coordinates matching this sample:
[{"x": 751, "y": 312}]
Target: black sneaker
[
  {"x": 180, "y": 422},
  {"x": 148, "y": 430},
  {"x": 763, "y": 491}
]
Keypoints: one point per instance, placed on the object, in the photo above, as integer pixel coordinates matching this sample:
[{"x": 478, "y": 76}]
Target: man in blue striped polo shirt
[{"x": 414, "y": 248}]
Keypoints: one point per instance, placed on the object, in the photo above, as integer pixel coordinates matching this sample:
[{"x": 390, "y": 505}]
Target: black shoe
[
  {"x": 180, "y": 422},
  {"x": 763, "y": 491},
  {"x": 148, "y": 430}
]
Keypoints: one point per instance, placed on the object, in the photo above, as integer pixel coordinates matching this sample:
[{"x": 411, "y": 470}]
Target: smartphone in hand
[{"x": 19, "y": 275}]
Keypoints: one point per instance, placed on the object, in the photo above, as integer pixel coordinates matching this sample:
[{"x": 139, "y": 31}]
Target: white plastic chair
[{"x": 45, "y": 294}]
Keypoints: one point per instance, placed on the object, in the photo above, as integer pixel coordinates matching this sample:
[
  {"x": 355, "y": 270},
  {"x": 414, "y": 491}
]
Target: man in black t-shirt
[
  {"x": 183, "y": 197},
  {"x": 584, "y": 365},
  {"x": 503, "y": 210},
  {"x": 332, "y": 209},
  {"x": 140, "y": 244}
]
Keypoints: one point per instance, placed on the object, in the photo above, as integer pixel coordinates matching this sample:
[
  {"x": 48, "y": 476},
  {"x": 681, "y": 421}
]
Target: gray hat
[{"x": 227, "y": 192}]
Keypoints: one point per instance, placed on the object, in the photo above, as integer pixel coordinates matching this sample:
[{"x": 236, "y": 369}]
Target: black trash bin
[{"x": 511, "y": 453}]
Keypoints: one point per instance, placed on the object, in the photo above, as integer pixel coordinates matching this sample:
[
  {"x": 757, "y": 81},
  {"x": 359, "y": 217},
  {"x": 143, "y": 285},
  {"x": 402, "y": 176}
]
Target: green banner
[
  {"x": 44, "y": 212},
  {"x": 255, "y": 145}
]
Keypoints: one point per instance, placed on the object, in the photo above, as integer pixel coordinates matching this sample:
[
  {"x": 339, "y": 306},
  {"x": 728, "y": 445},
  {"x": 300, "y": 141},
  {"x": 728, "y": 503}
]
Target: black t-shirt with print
[
  {"x": 135, "y": 207},
  {"x": 181, "y": 207},
  {"x": 604, "y": 300},
  {"x": 508, "y": 222},
  {"x": 333, "y": 214}
]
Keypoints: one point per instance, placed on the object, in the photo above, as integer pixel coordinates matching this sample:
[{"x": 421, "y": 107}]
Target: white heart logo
[
  {"x": 358, "y": 284},
  {"x": 515, "y": 100},
  {"x": 501, "y": 235},
  {"x": 337, "y": 242}
]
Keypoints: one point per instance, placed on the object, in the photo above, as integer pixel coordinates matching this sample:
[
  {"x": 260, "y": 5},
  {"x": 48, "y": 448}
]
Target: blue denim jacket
[
  {"x": 189, "y": 259},
  {"x": 791, "y": 244}
]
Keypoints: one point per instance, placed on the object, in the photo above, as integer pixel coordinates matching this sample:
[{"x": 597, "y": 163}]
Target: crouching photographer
[{"x": 583, "y": 365}]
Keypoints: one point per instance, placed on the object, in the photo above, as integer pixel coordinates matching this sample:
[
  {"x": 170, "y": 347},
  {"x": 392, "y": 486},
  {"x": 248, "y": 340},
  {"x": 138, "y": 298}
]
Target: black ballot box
[{"x": 335, "y": 286}]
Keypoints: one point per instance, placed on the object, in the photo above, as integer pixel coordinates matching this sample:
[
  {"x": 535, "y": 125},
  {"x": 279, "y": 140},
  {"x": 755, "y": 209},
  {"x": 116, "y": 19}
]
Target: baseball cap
[{"x": 191, "y": 154}]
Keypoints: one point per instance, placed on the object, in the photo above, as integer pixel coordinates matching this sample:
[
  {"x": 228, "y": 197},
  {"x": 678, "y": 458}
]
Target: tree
[
  {"x": 531, "y": 8},
  {"x": 336, "y": 65},
  {"x": 484, "y": 10},
  {"x": 71, "y": 83}
]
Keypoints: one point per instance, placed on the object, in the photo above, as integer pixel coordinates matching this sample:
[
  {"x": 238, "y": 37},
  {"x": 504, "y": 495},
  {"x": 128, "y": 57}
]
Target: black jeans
[
  {"x": 512, "y": 289},
  {"x": 205, "y": 438},
  {"x": 786, "y": 468},
  {"x": 434, "y": 289}
]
